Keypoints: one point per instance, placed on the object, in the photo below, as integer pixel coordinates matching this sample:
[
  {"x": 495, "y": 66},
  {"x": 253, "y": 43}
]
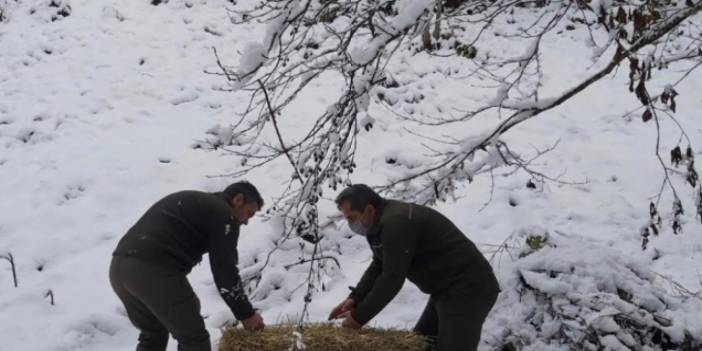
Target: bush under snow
[{"x": 566, "y": 293}]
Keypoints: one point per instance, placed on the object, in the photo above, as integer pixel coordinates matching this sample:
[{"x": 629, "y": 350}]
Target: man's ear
[
  {"x": 238, "y": 200},
  {"x": 371, "y": 211}
]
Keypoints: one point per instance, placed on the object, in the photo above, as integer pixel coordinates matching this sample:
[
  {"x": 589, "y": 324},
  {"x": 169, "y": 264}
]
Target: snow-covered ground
[{"x": 99, "y": 113}]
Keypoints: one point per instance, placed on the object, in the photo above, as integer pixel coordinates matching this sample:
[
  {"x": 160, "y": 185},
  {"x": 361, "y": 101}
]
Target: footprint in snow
[
  {"x": 72, "y": 193},
  {"x": 89, "y": 333},
  {"x": 185, "y": 97}
]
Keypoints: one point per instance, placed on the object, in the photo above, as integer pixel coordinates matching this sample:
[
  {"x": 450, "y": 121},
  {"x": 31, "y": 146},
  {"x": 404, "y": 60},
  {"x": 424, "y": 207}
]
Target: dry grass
[{"x": 320, "y": 337}]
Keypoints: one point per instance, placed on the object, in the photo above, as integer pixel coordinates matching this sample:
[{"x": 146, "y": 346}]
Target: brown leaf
[
  {"x": 692, "y": 177},
  {"x": 655, "y": 16},
  {"x": 621, "y": 15},
  {"x": 633, "y": 66},
  {"x": 639, "y": 22},
  {"x": 647, "y": 115},
  {"x": 641, "y": 92},
  {"x": 676, "y": 156}
]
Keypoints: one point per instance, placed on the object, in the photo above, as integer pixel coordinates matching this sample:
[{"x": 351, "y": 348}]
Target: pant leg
[
  {"x": 153, "y": 334},
  {"x": 182, "y": 318},
  {"x": 428, "y": 324},
  {"x": 171, "y": 299},
  {"x": 461, "y": 317}
]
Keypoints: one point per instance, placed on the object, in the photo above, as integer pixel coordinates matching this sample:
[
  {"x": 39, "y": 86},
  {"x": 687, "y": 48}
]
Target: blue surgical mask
[{"x": 358, "y": 228}]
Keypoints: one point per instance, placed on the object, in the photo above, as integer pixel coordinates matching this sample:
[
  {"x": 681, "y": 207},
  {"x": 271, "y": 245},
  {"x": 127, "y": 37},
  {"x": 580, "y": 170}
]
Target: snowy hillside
[{"x": 105, "y": 107}]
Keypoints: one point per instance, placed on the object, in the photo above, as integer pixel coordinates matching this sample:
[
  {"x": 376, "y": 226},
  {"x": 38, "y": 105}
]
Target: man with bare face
[{"x": 149, "y": 266}]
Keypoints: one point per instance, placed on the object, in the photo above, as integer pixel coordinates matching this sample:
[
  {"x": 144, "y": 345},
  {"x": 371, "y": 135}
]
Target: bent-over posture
[
  {"x": 420, "y": 244},
  {"x": 149, "y": 267}
]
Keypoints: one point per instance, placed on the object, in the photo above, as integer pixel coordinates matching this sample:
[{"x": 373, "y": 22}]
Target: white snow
[
  {"x": 93, "y": 105},
  {"x": 411, "y": 10}
]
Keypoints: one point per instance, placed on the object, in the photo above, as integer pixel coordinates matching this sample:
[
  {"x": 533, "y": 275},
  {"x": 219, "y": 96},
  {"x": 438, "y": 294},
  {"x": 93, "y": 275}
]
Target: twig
[
  {"x": 11, "y": 259},
  {"x": 50, "y": 295},
  {"x": 682, "y": 290},
  {"x": 271, "y": 113},
  {"x": 336, "y": 261}
]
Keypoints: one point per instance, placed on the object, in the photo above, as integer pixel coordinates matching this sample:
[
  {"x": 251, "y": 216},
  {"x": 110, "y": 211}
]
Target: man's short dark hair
[
  {"x": 247, "y": 189},
  {"x": 359, "y": 196}
]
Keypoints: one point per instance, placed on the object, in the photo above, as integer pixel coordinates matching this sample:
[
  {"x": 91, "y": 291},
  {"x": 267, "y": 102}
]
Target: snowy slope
[{"x": 99, "y": 113}]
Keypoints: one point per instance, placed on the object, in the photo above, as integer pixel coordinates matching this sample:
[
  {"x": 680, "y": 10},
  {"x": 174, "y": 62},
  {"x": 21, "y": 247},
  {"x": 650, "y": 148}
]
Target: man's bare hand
[
  {"x": 344, "y": 306},
  {"x": 349, "y": 322},
  {"x": 254, "y": 322}
]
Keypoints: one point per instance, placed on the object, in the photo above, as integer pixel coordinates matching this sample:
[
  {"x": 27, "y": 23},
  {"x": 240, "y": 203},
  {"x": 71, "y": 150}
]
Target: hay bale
[{"x": 320, "y": 337}]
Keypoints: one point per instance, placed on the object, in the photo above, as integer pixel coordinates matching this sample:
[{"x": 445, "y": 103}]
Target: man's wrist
[
  {"x": 357, "y": 318},
  {"x": 243, "y": 315},
  {"x": 353, "y": 295}
]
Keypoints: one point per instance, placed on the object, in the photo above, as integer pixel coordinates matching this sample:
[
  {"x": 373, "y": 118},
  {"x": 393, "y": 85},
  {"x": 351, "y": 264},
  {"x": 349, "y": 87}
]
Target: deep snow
[{"x": 99, "y": 113}]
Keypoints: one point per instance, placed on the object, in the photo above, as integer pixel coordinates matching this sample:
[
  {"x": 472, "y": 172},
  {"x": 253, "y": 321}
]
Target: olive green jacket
[{"x": 418, "y": 243}]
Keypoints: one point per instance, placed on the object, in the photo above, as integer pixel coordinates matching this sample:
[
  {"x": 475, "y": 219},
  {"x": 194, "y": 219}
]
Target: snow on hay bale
[
  {"x": 320, "y": 337},
  {"x": 570, "y": 294}
]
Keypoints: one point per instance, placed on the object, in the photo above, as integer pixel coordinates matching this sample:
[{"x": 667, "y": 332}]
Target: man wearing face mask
[
  {"x": 418, "y": 243},
  {"x": 149, "y": 267}
]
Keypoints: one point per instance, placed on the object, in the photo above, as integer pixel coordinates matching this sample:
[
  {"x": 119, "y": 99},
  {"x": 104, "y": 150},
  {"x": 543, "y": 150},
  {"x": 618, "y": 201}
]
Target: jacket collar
[{"x": 225, "y": 197}]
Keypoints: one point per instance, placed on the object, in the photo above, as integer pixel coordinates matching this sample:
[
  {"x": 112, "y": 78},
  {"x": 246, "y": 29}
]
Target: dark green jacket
[
  {"x": 418, "y": 243},
  {"x": 178, "y": 229}
]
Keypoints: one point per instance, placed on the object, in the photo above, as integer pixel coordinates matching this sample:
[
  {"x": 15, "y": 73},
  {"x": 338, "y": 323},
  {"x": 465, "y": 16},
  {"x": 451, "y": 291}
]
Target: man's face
[
  {"x": 354, "y": 216},
  {"x": 243, "y": 211}
]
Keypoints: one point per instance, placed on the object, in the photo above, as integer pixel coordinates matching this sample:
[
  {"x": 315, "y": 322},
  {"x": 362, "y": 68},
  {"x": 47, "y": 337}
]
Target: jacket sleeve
[
  {"x": 399, "y": 245},
  {"x": 223, "y": 262},
  {"x": 367, "y": 280}
]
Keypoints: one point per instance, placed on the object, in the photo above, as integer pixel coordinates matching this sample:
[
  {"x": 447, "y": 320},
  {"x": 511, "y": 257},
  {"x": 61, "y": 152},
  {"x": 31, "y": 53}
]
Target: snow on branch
[{"x": 369, "y": 46}]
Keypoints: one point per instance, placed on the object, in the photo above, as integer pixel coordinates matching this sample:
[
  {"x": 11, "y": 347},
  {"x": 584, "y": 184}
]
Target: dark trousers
[
  {"x": 158, "y": 302},
  {"x": 452, "y": 321}
]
